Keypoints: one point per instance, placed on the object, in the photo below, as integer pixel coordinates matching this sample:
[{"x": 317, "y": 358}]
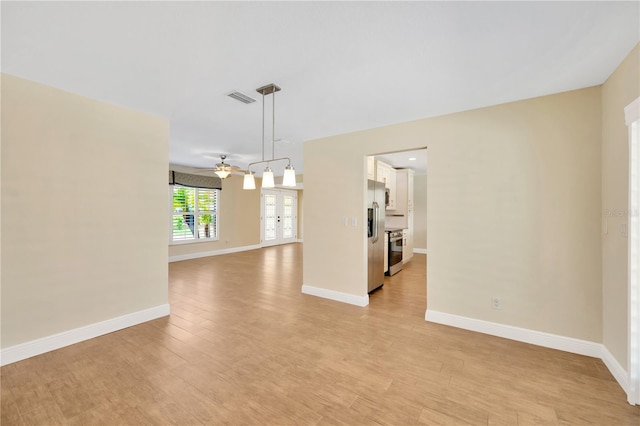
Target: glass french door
[{"x": 278, "y": 217}]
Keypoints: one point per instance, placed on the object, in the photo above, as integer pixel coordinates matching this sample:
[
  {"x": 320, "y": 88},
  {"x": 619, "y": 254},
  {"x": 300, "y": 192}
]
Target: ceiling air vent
[{"x": 241, "y": 97}]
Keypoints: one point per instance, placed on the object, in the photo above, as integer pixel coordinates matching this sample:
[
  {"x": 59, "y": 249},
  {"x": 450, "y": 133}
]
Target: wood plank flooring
[{"x": 244, "y": 346}]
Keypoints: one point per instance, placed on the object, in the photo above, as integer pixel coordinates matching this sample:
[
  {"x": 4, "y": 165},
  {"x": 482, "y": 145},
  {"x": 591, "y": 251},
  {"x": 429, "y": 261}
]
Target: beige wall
[
  {"x": 618, "y": 91},
  {"x": 84, "y": 202},
  {"x": 514, "y": 211},
  {"x": 239, "y": 218},
  {"x": 300, "y": 214},
  {"x": 420, "y": 211}
]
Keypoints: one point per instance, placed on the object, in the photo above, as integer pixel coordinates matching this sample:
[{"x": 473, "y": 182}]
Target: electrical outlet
[{"x": 496, "y": 303}]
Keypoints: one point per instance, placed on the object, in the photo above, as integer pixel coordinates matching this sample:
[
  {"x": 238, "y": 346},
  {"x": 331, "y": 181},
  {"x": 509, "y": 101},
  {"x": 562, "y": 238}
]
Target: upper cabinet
[
  {"x": 382, "y": 173},
  {"x": 387, "y": 175},
  {"x": 404, "y": 191},
  {"x": 392, "y": 189},
  {"x": 371, "y": 167},
  {"x": 410, "y": 190}
]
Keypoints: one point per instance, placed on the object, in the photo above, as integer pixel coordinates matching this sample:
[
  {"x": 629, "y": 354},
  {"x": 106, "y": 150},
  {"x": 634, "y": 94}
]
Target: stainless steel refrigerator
[{"x": 375, "y": 234}]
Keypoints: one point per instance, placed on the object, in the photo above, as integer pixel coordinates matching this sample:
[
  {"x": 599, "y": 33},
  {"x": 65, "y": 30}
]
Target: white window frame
[{"x": 196, "y": 214}]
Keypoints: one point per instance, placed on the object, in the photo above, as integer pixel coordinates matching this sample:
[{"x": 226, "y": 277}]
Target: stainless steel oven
[{"x": 395, "y": 251}]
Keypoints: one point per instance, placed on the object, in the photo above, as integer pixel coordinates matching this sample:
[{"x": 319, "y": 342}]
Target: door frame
[
  {"x": 632, "y": 119},
  {"x": 280, "y": 193}
]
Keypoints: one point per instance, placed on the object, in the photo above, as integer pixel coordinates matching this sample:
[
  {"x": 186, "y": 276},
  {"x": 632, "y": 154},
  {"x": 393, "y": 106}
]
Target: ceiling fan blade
[{"x": 232, "y": 169}]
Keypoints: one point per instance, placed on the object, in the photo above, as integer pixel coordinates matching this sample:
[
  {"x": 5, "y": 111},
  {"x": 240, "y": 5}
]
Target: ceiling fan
[{"x": 223, "y": 170}]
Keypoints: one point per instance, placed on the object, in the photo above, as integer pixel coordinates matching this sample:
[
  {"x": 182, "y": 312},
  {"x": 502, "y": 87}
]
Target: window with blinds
[{"x": 194, "y": 214}]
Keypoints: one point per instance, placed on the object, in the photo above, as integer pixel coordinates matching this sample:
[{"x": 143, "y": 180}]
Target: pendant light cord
[
  {"x": 273, "y": 127},
  {"x": 263, "y": 127}
]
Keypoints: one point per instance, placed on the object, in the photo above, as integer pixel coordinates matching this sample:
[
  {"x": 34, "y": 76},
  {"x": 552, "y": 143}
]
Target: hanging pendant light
[
  {"x": 267, "y": 178},
  {"x": 289, "y": 177},
  {"x": 249, "y": 181}
]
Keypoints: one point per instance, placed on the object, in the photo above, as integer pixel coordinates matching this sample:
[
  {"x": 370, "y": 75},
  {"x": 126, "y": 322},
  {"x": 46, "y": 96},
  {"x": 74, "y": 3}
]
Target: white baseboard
[
  {"x": 56, "y": 341},
  {"x": 200, "y": 254},
  {"x": 567, "y": 344},
  {"x": 351, "y": 299},
  {"x": 420, "y": 250},
  {"x": 618, "y": 372},
  {"x": 539, "y": 338}
]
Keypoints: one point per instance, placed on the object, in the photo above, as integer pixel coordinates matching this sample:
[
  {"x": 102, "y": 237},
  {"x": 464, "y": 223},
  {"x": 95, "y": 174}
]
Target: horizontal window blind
[{"x": 194, "y": 214}]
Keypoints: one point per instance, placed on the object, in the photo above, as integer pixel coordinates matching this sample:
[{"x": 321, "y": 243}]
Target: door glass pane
[
  {"x": 287, "y": 216},
  {"x": 269, "y": 217}
]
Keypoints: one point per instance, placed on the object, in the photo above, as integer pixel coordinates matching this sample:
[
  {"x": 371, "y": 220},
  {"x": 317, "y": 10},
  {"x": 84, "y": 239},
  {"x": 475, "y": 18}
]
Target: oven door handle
[{"x": 376, "y": 215}]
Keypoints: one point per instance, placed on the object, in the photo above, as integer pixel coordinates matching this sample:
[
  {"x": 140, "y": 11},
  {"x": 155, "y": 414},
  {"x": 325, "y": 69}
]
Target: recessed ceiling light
[{"x": 412, "y": 159}]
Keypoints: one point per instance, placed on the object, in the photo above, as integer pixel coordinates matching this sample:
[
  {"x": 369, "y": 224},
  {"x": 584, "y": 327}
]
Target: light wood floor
[{"x": 244, "y": 346}]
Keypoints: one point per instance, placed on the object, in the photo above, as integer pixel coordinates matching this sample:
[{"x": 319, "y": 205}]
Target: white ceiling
[
  {"x": 342, "y": 66},
  {"x": 415, "y": 159}
]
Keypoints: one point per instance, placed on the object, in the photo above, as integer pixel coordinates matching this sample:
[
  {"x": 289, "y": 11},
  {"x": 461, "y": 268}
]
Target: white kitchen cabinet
[
  {"x": 387, "y": 175},
  {"x": 392, "y": 189},
  {"x": 410, "y": 190},
  {"x": 405, "y": 246},
  {"x": 401, "y": 193},
  {"x": 404, "y": 210},
  {"x": 404, "y": 191},
  {"x": 371, "y": 167},
  {"x": 381, "y": 172}
]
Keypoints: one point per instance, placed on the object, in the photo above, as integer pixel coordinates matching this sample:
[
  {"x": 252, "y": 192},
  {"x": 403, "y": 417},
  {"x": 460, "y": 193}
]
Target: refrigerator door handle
[{"x": 376, "y": 215}]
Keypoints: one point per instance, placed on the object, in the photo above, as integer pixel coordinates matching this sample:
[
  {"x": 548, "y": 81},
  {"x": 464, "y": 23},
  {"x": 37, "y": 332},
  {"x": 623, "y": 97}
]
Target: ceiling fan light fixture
[
  {"x": 223, "y": 170},
  {"x": 289, "y": 178},
  {"x": 267, "y": 178},
  {"x": 222, "y": 173},
  {"x": 249, "y": 181}
]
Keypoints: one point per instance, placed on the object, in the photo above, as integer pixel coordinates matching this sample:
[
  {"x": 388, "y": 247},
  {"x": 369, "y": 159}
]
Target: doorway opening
[
  {"x": 404, "y": 175},
  {"x": 278, "y": 217}
]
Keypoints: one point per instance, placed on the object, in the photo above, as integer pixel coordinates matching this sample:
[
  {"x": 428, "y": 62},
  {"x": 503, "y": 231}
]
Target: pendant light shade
[
  {"x": 249, "y": 181},
  {"x": 267, "y": 178},
  {"x": 289, "y": 178}
]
